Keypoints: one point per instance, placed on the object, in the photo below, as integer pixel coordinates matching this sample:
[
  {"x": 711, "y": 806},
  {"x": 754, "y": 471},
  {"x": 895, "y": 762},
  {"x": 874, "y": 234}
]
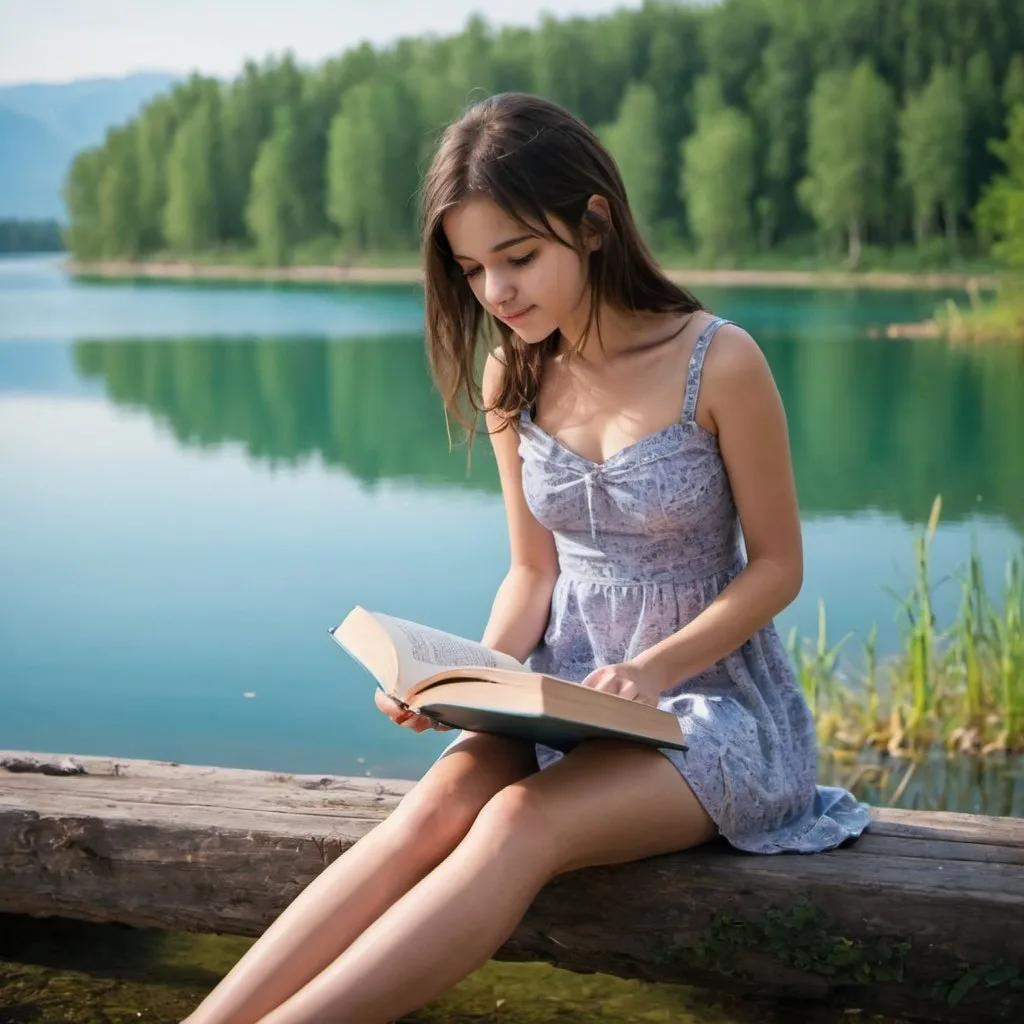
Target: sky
[{"x": 61, "y": 40}]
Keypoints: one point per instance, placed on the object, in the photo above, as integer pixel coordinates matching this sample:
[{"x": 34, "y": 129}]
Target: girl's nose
[{"x": 497, "y": 289}]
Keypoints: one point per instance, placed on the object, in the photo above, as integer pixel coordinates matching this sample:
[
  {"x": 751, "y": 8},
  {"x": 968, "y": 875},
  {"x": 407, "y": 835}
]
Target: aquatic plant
[{"x": 958, "y": 689}]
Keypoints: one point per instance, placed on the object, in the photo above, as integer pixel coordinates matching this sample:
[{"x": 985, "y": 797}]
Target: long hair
[{"x": 534, "y": 160}]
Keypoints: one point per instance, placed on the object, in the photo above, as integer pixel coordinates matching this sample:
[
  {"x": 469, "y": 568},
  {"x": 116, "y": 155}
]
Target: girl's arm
[
  {"x": 738, "y": 398},
  {"x": 522, "y": 604}
]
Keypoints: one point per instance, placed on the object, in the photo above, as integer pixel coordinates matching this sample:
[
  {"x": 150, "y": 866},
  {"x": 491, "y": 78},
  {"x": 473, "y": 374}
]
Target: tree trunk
[
  {"x": 922, "y": 907},
  {"x": 950, "y": 215},
  {"x": 922, "y": 226},
  {"x": 854, "y": 250}
]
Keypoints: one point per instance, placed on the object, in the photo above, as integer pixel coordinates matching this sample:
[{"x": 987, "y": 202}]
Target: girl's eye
[{"x": 516, "y": 261}]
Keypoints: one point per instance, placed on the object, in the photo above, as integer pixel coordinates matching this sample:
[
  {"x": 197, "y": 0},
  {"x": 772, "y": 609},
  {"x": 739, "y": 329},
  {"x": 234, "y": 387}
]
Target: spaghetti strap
[{"x": 700, "y": 347}]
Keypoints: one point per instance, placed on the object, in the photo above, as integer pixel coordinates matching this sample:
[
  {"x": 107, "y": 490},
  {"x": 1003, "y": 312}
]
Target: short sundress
[{"x": 646, "y": 540}]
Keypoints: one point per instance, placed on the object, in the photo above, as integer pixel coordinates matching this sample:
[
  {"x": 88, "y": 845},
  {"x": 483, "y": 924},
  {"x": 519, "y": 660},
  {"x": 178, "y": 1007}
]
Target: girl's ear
[{"x": 597, "y": 222}]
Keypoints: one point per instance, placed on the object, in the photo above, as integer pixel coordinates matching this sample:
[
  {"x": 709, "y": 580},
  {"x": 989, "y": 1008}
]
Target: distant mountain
[{"x": 42, "y": 126}]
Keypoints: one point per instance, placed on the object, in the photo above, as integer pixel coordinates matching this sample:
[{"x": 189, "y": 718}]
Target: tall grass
[
  {"x": 959, "y": 689},
  {"x": 999, "y": 319}
]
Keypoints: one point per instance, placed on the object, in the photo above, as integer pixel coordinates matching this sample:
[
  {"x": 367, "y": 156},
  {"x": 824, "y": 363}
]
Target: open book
[{"x": 468, "y": 686}]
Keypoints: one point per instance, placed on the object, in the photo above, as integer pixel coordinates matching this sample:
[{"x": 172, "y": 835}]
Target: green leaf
[
  {"x": 961, "y": 988},
  {"x": 999, "y": 974}
]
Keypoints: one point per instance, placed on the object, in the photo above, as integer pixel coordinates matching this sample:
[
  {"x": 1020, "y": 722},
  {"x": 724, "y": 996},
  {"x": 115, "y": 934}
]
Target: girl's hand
[
  {"x": 628, "y": 680},
  {"x": 404, "y": 717}
]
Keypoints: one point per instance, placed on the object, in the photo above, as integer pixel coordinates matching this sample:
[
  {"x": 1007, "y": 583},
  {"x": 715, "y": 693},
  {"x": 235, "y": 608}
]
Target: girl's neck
[{"x": 620, "y": 333}]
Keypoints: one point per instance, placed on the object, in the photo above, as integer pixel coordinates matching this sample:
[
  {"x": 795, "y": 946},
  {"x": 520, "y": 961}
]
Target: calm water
[{"x": 198, "y": 481}]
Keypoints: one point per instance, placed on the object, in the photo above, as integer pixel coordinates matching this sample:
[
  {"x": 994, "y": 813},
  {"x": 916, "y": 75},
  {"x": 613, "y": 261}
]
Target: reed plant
[
  {"x": 958, "y": 690},
  {"x": 984, "y": 319}
]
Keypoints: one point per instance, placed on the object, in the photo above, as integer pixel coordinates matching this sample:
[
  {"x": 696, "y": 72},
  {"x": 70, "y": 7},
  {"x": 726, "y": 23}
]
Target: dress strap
[{"x": 700, "y": 347}]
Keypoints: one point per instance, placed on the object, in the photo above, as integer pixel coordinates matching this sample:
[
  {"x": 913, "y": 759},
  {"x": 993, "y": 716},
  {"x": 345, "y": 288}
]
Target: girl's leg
[
  {"x": 352, "y": 891},
  {"x": 604, "y": 803}
]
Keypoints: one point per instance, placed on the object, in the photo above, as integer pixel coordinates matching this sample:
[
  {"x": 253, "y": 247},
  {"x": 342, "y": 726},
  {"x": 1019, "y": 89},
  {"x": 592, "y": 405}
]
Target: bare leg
[
  {"x": 350, "y": 893},
  {"x": 604, "y": 803}
]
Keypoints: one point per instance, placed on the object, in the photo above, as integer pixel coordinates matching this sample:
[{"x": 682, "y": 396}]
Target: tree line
[
  {"x": 768, "y": 125},
  {"x": 30, "y": 236}
]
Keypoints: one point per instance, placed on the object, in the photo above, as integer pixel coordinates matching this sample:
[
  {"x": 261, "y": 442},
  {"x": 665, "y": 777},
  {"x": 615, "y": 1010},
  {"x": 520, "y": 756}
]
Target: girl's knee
[
  {"x": 436, "y": 814},
  {"x": 519, "y": 821}
]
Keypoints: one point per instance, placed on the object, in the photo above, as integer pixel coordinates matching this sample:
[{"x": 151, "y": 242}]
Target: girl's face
[{"x": 533, "y": 284}]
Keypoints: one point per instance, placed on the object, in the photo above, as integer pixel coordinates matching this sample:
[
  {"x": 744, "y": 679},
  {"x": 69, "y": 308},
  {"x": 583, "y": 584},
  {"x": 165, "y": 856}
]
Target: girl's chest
[
  {"x": 599, "y": 415},
  {"x": 666, "y": 482}
]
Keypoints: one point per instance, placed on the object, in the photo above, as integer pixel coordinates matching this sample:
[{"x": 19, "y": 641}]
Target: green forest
[
  {"x": 30, "y": 236},
  {"x": 855, "y": 130}
]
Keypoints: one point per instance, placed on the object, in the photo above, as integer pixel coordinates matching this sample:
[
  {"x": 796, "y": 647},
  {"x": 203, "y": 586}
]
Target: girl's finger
[{"x": 389, "y": 706}]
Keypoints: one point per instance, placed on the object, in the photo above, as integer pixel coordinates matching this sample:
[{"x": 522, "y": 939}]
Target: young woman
[{"x": 636, "y": 436}]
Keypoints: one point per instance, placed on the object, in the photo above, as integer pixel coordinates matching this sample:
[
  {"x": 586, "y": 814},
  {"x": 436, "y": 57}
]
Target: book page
[{"x": 423, "y": 650}]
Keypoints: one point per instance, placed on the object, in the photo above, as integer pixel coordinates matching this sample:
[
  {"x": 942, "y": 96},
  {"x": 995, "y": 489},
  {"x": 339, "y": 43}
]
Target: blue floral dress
[{"x": 646, "y": 540}]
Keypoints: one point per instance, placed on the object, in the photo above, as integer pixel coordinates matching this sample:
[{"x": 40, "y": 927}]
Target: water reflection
[
  {"x": 971, "y": 785},
  {"x": 873, "y": 423},
  {"x": 366, "y": 405}
]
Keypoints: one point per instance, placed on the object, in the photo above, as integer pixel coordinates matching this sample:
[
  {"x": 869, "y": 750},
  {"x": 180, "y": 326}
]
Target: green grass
[{"x": 999, "y": 319}]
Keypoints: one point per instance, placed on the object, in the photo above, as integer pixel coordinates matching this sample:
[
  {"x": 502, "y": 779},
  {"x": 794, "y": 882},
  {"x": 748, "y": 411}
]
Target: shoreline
[{"x": 337, "y": 274}]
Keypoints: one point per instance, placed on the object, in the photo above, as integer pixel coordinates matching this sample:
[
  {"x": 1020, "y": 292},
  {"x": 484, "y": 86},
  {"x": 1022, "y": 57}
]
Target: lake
[{"x": 199, "y": 480}]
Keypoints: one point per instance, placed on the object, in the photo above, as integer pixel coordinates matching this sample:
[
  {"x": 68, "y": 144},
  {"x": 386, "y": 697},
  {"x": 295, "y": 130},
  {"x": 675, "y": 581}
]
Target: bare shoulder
[
  {"x": 735, "y": 375},
  {"x": 501, "y": 430},
  {"x": 732, "y": 353}
]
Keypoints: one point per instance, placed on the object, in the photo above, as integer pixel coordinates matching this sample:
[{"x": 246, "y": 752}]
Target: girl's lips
[{"x": 513, "y": 317}]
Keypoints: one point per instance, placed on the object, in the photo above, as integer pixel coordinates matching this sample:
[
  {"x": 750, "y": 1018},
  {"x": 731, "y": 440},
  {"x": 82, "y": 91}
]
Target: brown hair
[{"x": 534, "y": 159}]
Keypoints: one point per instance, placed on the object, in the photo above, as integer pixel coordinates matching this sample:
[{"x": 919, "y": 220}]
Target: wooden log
[{"x": 922, "y": 916}]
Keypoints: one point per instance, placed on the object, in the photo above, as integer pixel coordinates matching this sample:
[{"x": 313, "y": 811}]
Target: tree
[
  {"x": 371, "y": 167},
  {"x": 777, "y": 100},
  {"x": 672, "y": 65},
  {"x": 733, "y": 36},
  {"x": 718, "y": 181},
  {"x": 851, "y": 120},
  {"x": 559, "y": 62},
  {"x": 1000, "y": 213},
  {"x": 512, "y": 60},
  {"x": 471, "y": 66},
  {"x": 81, "y": 198},
  {"x": 247, "y": 117},
  {"x": 708, "y": 98},
  {"x": 118, "y": 194},
  {"x": 983, "y": 122},
  {"x": 30, "y": 235},
  {"x": 154, "y": 138},
  {"x": 932, "y": 146},
  {"x": 273, "y": 214},
  {"x": 1013, "y": 86},
  {"x": 191, "y": 221},
  {"x": 632, "y": 139}
]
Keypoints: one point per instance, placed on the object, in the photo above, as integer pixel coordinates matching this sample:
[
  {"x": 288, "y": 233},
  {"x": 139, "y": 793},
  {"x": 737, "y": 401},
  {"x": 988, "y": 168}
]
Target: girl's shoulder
[
  {"x": 736, "y": 380},
  {"x": 492, "y": 390},
  {"x": 733, "y": 351}
]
